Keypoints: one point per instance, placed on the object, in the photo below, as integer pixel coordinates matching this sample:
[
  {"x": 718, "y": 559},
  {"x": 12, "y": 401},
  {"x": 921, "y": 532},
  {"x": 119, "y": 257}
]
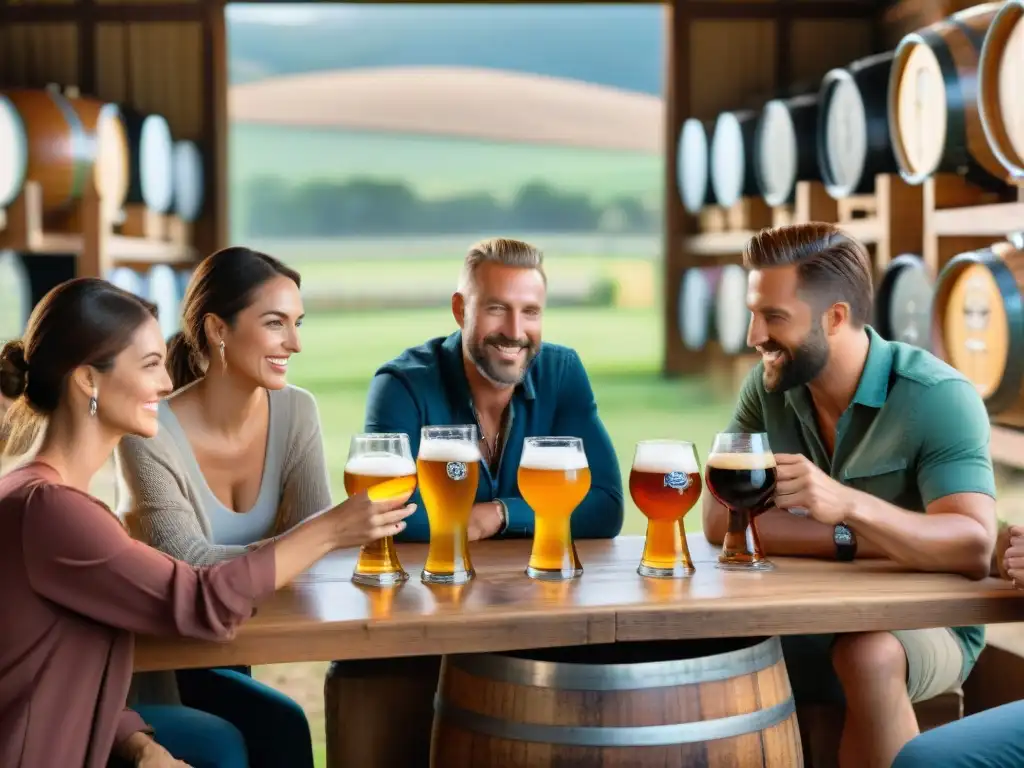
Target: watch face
[{"x": 843, "y": 535}]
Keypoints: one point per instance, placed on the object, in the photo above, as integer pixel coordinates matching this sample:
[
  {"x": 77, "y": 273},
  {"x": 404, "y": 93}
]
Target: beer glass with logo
[
  {"x": 554, "y": 477},
  {"x": 383, "y": 463},
  {"x": 665, "y": 483},
  {"x": 448, "y": 465},
  {"x": 741, "y": 475}
]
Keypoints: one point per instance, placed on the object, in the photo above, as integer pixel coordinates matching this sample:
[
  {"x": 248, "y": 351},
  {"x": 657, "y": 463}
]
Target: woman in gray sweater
[{"x": 238, "y": 460}]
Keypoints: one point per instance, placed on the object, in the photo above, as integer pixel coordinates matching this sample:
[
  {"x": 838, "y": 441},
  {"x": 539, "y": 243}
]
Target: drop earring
[
  {"x": 223, "y": 360},
  {"x": 94, "y": 401}
]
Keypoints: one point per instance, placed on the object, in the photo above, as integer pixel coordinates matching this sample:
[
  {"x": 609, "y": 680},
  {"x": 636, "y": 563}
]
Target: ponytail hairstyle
[
  {"x": 84, "y": 321},
  {"x": 223, "y": 284}
]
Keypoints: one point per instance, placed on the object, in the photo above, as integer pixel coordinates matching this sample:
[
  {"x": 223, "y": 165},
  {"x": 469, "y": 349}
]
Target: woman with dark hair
[
  {"x": 74, "y": 586},
  {"x": 239, "y": 459}
]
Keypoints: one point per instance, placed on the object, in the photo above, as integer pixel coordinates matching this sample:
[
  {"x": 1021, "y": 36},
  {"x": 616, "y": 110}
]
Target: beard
[
  {"x": 798, "y": 367},
  {"x": 496, "y": 369}
]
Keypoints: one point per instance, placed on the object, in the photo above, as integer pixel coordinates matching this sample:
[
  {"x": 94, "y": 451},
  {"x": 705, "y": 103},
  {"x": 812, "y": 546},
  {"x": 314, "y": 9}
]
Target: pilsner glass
[
  {"x": 449, "y": 470},
  {"x": 741, "y": 475},
  {"x": 554, "y": 477},
  {"x": 665, "y": 483},
  {"x": 375, "y": 459}
]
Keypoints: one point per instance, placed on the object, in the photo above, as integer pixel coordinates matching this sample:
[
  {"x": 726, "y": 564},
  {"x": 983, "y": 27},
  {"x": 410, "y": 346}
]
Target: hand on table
[
  {"x": 1012, "y": 564},
  {"x": 485, "y": 520},
  {"x": 800, "y": 483}
]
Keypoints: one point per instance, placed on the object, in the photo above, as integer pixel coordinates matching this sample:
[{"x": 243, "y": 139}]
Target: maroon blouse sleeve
[
  {"x": 128, "y": 723},
  {"x": 78, "y": 555}
]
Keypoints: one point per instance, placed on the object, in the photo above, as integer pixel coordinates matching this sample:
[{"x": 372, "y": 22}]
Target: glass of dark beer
[{"x": 741, "y": 475}]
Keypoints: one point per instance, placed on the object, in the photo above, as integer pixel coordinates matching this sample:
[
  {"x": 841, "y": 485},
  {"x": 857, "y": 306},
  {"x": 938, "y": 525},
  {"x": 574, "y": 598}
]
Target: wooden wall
[{"x": 164, "y": 57}]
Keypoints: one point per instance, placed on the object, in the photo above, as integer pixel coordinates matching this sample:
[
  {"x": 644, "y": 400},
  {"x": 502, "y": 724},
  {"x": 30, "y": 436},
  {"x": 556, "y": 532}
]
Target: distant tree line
[{"x": 368, "y": 207}]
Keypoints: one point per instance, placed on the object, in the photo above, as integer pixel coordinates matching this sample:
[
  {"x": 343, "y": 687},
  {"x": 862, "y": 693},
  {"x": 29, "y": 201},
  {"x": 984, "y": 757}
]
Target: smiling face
[
  {"x": 264, "y": 336},
  {"x": 501, "y": 319},
  {"x": 130, "y": 391},
  {"x": 785, "y": 329}
]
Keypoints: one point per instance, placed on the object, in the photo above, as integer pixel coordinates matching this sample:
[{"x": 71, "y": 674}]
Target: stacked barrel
[
  {"x": 62, "y": 140},
  {"x": 946, "y": 102}
]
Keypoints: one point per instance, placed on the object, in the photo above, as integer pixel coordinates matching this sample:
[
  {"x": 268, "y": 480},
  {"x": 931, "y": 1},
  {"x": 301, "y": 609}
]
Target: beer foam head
[
  {"x": 664, "y": 457},
  {"x": 560, "y": 458},
  {"x": 742, "y": 460},
  {"x": 449, "y": 450},
  {"x": 380, "y": 465}
]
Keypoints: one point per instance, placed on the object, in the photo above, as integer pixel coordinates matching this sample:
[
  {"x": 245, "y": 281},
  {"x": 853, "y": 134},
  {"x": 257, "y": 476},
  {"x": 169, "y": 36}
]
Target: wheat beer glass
[
  {"x": 448, "y": 466},
  {"x": 379, "y": 462},
  {"x": 665, "y": 483},
  {"x": 554, "y": 477},
  {"x": 741, "y": 475}
]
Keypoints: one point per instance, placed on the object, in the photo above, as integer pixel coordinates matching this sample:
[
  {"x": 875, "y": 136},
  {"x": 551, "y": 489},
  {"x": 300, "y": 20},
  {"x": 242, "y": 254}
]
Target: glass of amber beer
[
  {"x": 373, "y": 461},
  {"x": 741, "y": 475},
  {"x": 554, "y": 477},
  {"x": 665, "y": 483},
  {"x": 448, "y": 465}
]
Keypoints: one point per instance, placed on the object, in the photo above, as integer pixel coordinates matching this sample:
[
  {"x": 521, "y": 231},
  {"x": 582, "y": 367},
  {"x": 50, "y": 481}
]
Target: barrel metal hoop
[
  {"x": 21, "y": 139},
  {"x": 1008, "y": 391},
  {"x": 616, "y": 736},
  {"x": 83, "y": 146},
  {"x": 621, "y": 677}
]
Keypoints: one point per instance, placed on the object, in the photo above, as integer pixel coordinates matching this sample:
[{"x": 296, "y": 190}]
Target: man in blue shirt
[{"x": 496, "y": 373}]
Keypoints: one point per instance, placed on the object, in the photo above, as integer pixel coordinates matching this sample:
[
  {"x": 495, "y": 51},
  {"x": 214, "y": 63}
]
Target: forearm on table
[
  {"x": 950, "y": 543},
  {"x": 302, "y": 546}
]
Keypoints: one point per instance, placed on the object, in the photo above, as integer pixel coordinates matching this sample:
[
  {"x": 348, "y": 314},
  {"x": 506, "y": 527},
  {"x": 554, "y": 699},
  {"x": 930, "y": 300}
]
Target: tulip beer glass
[
  {"x": 379, "y": 461},
  {"x": 665, "y": 483},
  {"x": 554, "y": 477},
  {"x": 741, "y": 475},
  {"x": 448, "y": 465}
]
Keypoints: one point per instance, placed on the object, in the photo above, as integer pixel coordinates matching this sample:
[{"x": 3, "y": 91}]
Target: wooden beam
[{"x": 97, "y": 13}]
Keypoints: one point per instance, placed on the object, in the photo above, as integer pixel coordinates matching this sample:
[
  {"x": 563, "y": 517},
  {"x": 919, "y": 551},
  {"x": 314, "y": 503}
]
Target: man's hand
[
  {"x": 146, "y": 753},
  {"x": 799, "y": 483},
  {"x": 1013, "y": 560},
  {"x": 485, "y": 520}
]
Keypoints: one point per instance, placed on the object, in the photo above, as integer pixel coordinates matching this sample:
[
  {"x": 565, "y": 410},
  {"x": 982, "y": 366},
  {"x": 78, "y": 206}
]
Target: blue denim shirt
[{"x": 427, "y": 386}]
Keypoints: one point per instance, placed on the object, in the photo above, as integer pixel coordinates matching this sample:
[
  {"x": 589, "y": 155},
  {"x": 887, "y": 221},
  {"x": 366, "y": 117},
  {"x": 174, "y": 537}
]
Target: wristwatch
[
  {"x": 503, "y": 511},
  {"x": 846, "y": 542}
]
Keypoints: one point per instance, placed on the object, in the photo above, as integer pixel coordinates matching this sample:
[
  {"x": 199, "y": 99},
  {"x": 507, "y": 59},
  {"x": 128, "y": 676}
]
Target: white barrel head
[
  {"x": 15, "y": 296},
  {"x": 13, "y": 152},
  {"x": 188, "y": 180},
  {"x": 732, "y": 318},
  {"x": 156, "y": 164},
  {"x": 692, "y": 165},
  {"x": 162, "y": 289},
  {"x": 694, "y": 308}
]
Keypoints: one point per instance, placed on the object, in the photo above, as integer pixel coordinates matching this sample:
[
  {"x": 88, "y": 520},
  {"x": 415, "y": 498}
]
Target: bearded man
[
  {"x": 496, "y": 373},
  {"x": 882, "y": 450}
]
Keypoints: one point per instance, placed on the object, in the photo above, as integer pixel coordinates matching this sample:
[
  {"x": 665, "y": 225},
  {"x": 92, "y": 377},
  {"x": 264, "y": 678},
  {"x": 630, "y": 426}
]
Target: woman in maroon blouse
[{"x": 74, "y": 586}]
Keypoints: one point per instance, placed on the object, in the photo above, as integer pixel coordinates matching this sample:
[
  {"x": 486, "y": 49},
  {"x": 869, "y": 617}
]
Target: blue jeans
[
  {"x": 990, "y": 739},
  {"x": 274, "y": 727},
  {"x": 197, "y": 738}
]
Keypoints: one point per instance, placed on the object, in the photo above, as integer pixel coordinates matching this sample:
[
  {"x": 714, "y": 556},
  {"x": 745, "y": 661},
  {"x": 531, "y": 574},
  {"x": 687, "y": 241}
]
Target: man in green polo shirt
[{"x": 882, "y": 450}]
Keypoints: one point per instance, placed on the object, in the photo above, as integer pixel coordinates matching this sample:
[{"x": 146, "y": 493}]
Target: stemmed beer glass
[{"x": 741, "y": 475}]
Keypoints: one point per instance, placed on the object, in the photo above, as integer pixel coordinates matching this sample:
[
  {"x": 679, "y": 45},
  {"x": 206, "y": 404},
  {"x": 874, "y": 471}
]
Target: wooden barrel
[
  {"x": 853, "y": 126},
  {"x": 1001, "y": 88},
  {"x": 978, "y": 324},
  {"x": 934, "y": 123},
  {"x": 693, "y": 703},
  {"x": 162, "y": 289},
  {"x": 903, "y": 301},
  {"x": 60, "y": 153},
  {"x": 151, "y": 154},
  {"x": 15, "y": 296},
  {"x": 732, "y": 318},
  {"x": 102, "y": 121},
  {"x": 697, "y": 306},
  {"x": 693, "y": 162},
  {"x": 784, "y": 147},
  {"x": 188, "y": 181},
  {"x": 13, "y": 152},
  {"x": 732, "y": 157}
]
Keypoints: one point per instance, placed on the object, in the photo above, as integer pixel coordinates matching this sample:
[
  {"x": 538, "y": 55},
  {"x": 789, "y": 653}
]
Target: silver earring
[
  {"x": 94, "y": 401},
  {"x": 223, "y": 360}
]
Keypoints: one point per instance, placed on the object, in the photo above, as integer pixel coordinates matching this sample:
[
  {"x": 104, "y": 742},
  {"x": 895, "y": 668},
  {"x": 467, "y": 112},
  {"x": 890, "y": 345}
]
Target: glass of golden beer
[
  {"x": 554, "y": 477},
  {"x": 448, "y": 466},
  {"x": 375, "y": 459},
  {"x": 665, "y": 483},
  {"x": 741, "y": 475}
]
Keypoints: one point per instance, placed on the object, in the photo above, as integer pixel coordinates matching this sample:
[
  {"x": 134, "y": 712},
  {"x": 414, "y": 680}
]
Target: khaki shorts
[{"x": 934, "y": 665}]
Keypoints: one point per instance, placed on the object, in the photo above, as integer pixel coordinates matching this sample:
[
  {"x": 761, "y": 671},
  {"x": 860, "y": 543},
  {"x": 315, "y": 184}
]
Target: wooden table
[{"x": 323, "y": 616}]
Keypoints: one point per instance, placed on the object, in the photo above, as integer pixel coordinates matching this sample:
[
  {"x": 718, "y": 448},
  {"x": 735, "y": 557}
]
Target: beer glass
[
  {"x": 741, "y": 475},
  {"x": 665, "y": 483},
  {"x": 375, "y": 459},
  {"x": 554, "y": 477},
  {"x": 448, "y": 466}
]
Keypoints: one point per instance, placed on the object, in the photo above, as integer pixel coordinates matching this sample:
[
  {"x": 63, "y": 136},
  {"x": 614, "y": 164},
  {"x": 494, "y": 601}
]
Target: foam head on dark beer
[{"x": 741, "y": 461}]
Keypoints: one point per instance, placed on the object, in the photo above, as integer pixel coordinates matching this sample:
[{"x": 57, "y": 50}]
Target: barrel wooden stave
[
  {"x": 853, "y": 143},
  {"x": 942, "y": 61},
  {"x": 732, "y": 157},
  {"x": 978, "y": 324},
  {"x": 784, "y": 147},
  {"x": 698, "y": 703},
  {"x": 903, "y": 301},
  {"x": 102, "y": 121},
  {"x": 13, "y": 153},
  {"x": 60, "y": 155},
  {"x": 693, "y": 165},
  {"x": 1000, "y": 89}
]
